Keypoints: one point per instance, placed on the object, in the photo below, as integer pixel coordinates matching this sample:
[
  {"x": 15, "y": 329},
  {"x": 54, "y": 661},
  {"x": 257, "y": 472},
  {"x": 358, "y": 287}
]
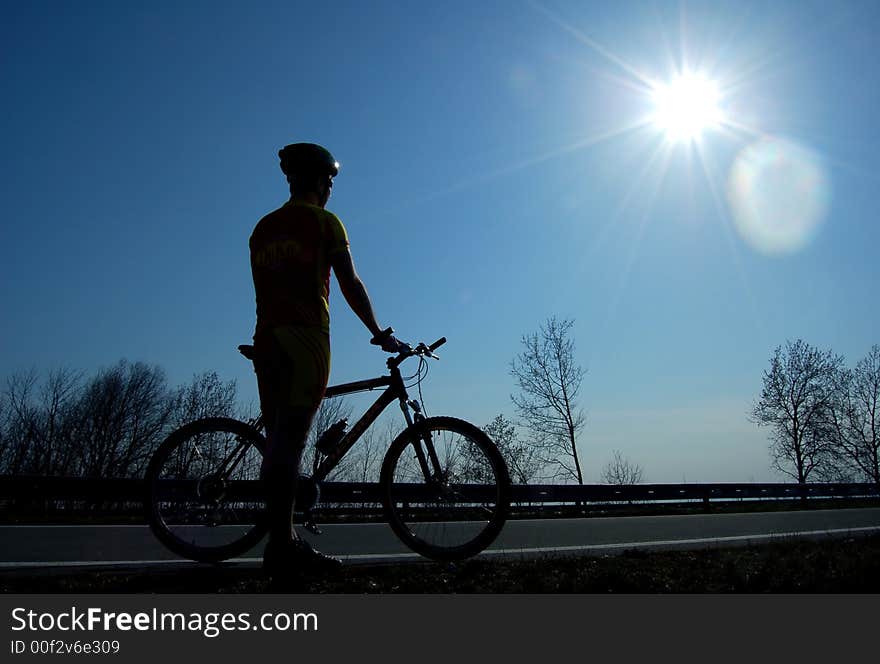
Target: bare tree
[
  {"x": 37, "y": 423},
  {"x": 123, "y": 412},
  {"x": 621, "y": 470},
  {"x": 549, "y": 381},
  {"x": 205, "y": 396},
  {"x": 106, "y": 426},
  {"x": 522, "y": 459},
  {"x": 797, "y": 403},
  {"x": 5, "y": 441},
  {"x": 857, "y": 418},
  {"x": 19, "y": 422},
  {"x": 53, "y": 449}
]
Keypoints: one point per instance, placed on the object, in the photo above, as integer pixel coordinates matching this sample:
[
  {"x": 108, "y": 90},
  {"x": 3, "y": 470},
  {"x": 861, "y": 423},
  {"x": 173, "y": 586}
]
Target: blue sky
[{"x": 490, "y": 178}]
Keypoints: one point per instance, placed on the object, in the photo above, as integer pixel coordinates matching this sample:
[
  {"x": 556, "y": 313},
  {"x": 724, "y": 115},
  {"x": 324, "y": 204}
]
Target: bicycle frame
[
  {"x": 351, "y": 436},
  {"x": 395, "y": 390}
]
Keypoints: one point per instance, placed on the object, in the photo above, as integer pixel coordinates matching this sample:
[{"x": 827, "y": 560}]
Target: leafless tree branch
[{"x": 549, "y": 381}]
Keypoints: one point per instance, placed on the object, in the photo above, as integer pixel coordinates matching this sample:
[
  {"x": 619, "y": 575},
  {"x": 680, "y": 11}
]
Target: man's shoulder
[
  {"x": 325, "y": 218},
  {"x": 322, "y": 213},
  {"x": 277, "y": 213},
  {"x": 281, "y": 216},
  {"x": 295, "y": 209},
  {"x": 267, "y": 222}
]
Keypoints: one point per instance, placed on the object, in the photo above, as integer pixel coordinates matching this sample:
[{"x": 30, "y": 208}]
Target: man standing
[{"x": 292, "y": 251}]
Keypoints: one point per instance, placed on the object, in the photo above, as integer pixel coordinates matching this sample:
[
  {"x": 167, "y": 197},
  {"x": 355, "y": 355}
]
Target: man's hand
[{"x": 388, "y": 342}]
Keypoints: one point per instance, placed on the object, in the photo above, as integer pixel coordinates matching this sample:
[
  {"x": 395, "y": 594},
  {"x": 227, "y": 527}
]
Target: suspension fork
[{"x": 405, "y": 405}]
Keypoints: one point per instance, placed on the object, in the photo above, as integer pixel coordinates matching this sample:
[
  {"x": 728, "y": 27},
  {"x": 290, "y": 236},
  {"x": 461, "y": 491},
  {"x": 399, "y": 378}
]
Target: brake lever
[{"x": 423, "y": 350}]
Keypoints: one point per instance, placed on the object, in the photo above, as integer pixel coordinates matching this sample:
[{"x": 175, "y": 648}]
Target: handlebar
[{"x": 420, "y": 349}]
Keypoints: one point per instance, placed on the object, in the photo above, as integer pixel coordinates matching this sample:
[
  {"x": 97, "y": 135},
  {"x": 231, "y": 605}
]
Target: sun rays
[
  {"x": 776, "y": 191},
  {"x": 672, "y": 119}
]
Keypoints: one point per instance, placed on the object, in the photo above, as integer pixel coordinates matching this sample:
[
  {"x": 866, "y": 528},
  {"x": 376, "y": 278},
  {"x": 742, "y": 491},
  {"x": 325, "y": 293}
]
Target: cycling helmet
[{"x": 307, "y": 159}]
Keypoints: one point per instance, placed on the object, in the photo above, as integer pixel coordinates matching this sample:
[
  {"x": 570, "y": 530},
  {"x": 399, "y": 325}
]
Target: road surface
[{"x": 77, "y": 545}]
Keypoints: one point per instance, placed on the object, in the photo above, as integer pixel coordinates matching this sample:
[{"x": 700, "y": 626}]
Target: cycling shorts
[{"x": 293, "y": 366}]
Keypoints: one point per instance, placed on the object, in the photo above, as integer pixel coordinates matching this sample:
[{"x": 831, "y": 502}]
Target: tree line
[
  {"x": 104, "y": 425},
  {"x": 108, "y": 425},
  {"x": 823, "y": 417}
]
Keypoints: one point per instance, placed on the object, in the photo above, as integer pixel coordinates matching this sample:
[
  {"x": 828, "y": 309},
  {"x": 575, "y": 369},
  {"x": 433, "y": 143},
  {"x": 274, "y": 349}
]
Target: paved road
[{"x": 26, "y": 546}]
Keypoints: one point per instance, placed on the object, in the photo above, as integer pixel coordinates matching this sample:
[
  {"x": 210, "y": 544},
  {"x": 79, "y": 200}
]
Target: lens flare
[{"x": 779, "y": 194}]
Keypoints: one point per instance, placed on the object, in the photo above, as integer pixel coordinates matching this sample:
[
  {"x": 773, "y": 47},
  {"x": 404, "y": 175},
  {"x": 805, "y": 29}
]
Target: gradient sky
[{"x": 497, "y": 169}]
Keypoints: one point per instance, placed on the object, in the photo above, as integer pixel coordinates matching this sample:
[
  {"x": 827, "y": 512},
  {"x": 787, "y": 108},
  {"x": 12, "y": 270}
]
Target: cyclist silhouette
[{"x": 292, "y": 251}]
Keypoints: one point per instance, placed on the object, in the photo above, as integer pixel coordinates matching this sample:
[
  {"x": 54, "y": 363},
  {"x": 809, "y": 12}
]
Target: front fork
[
  {"x": 425, "y": 461},
  {"x": 431, "y": 460}
]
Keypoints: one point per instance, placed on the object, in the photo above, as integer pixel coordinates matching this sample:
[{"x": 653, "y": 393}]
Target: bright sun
[{"x": 685, "y": 107}]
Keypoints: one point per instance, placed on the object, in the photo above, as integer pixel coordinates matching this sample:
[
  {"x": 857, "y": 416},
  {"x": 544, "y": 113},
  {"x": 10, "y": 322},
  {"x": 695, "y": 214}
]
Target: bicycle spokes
[
  {"x": 444, "y": 490},
  {"x": 206, "y": 490}
]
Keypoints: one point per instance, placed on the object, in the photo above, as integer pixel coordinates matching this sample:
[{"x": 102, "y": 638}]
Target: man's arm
[{"x": 354, "y": 291}]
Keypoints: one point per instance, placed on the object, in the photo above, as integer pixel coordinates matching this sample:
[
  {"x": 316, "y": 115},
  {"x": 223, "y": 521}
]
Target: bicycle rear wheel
[
  {"x": 204, "y": 499},
  {"x": 460, "y": 508}
]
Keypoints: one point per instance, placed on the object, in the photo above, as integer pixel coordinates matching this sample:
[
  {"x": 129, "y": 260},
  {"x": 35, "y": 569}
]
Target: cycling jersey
[{"x": 291, "y": 251}]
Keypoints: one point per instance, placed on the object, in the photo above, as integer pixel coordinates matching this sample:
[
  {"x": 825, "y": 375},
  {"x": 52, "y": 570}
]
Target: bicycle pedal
[{"x": 312, "y": 527}]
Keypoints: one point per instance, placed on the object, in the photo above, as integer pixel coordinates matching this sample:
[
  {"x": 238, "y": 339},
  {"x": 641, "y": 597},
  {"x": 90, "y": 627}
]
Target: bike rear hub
[{"x": 212, "y": 489}]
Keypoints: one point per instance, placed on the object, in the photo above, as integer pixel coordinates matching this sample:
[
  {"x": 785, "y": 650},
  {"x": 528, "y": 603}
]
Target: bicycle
[{"x": 444, "y": 485}]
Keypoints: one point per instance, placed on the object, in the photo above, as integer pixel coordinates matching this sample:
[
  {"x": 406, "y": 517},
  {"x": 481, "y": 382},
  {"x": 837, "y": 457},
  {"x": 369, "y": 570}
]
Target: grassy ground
[{"x": 827, "y": 566}]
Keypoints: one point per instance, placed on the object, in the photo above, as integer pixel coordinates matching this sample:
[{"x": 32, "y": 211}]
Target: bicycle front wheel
[
  {"x": 204, "y": 498},
  {"x": 446, "y": 489}
]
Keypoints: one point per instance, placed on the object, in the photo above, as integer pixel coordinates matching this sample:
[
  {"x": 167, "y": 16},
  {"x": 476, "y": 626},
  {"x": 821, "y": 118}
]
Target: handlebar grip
[
  {"x": 437, "y": 344},
  {"x": 380, "y": 338}
]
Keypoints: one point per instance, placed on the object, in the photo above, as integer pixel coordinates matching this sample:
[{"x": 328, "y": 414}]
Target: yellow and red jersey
[{"x": 291, "y": 253}]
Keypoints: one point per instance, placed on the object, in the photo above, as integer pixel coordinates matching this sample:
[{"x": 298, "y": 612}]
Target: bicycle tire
[
  {"x": 437, "y": 519},
  {"x": 185, "y": 503}
]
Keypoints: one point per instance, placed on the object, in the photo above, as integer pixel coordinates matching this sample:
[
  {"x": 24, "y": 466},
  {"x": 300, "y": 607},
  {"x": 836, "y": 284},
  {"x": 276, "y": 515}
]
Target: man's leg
[
  {"x": 281, "y": 469},
  {"x": 287, "y": 427},
  {"x": 286, "y": 556},
  {"x": 300, "y": 369}
]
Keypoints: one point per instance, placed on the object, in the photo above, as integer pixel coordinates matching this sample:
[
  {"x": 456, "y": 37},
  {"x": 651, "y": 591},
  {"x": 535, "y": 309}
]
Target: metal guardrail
[
  {"x": 685, "y": 492},
  {"x": 72, "y": 488},
  {"x": 119, "y": 489}
]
